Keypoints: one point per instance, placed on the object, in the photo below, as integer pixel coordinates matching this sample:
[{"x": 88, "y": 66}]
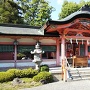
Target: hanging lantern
[
  {"x": 71, "y": 40},
  {"x": 76, "y": 41},
  {"x": 87, "y": 42}
]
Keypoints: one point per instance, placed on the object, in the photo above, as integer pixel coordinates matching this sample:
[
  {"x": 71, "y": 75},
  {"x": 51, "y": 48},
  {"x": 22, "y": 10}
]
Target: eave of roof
[
  {"x": 70, "y": 18},
  {"x": 20, "y": 29},
  {"x": 18, "y": 25}
]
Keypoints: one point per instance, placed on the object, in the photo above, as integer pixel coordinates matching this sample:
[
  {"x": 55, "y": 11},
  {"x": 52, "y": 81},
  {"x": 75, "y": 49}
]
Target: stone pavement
[{"x": 60, "y": 85}]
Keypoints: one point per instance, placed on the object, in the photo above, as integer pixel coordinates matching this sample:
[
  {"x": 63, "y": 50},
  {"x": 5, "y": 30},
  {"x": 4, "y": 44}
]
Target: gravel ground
[{"x": 73, "y": 85}]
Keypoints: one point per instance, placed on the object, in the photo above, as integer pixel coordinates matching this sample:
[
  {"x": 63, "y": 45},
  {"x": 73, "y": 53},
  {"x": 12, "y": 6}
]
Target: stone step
[
  {"x": 55, "y": 70},
  {"x": 79, "y": 73},
  {"x": 75, "y": 72},
  {"x": 78, "y": 79}
]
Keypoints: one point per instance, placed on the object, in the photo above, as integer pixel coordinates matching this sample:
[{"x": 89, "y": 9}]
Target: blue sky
[{"x": 57, "y": 4}]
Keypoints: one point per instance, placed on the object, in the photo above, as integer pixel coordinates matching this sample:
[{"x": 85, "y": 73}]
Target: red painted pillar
[
  {"x": 58, "y": 53},
  {"x": 15, "y": 55},
  {"x": 15, "y": 51}
]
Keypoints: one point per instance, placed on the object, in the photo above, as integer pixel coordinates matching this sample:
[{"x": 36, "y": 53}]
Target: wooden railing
[{"x": 80, "y": 61}]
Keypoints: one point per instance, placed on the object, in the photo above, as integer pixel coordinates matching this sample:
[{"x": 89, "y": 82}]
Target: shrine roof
[
  {"x": 77, "y": 22},
  {"x": 83, "y": 12},
  {"x": 14, "y": 29}
]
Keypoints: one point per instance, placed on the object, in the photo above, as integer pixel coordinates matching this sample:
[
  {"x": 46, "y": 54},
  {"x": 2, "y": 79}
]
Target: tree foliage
[
  {"x": 31, "y": 12},
  {"x": 71, "y": 7},
  {"x": 36, "y": 12},
  {"x": 9, "y": 12}
]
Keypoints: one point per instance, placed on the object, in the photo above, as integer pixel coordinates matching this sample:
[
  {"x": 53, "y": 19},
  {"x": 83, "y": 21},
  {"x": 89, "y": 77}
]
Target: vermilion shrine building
[{"x": 59, "y": 39}]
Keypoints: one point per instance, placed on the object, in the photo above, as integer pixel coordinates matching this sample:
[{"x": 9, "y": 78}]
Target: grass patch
[{"x": 28, "y": 84}]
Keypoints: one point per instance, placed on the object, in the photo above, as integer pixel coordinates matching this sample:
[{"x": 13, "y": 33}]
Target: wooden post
[
  {"x": 62, "y": 48},
  {"x": 15, "y": 51},
  {"x": 15, "y": 55},
  {"x": 58, "y": 53},
  {"x": 63, "y": 59}
]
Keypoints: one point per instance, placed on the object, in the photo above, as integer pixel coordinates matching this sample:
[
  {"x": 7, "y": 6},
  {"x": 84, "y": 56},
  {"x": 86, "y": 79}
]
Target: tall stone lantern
[{"x": 37, "y": 55}]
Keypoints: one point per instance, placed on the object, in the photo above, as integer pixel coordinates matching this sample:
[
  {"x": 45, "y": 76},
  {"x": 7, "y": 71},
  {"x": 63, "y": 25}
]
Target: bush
[
  {"x": 20, "y": 56},
  {"x": 44, "y": 68},
  {"x": 23, "y": 73},
  {"x": 19, "y": 73},
  {"x": 6, "y": 76},
  {"x": 13, "y": 73},
  {"x": 29, "y": 72},
  {"x": 43, "y": 76}
]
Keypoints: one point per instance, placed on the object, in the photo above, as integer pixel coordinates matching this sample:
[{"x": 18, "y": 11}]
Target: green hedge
[
  {"x": 31, "y": 73},
  {"x": 13, "y": 73},
  {"x": 44, "y": 68},
  {"x": 43, "y": 76},
  {"x": 26, "y": 73},
  {"x": 6, "y": 76},
  {"x": 23, "y": 73}
]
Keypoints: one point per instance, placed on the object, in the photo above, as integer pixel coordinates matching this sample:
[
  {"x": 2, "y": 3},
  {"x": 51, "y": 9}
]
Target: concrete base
[
  {"x": 57, "y": 73},
  {"x": 57, "y": 77}
]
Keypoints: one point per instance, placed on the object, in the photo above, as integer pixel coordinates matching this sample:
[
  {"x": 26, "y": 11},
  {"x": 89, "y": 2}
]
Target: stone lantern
[{"x": 37, "y": 55}]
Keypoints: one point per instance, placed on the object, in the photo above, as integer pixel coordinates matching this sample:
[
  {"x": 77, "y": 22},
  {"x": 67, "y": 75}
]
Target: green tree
[
  {"x": 36, "y": 12},
  {"x": 67, "y": 9},
  {"x": 10, "y": 12},
  {"x": 82, "y": 2},
  {"x": 71, "y": 7}
]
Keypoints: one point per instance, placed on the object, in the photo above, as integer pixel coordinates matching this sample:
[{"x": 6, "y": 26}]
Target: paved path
[{"x": 74, "y": 85}]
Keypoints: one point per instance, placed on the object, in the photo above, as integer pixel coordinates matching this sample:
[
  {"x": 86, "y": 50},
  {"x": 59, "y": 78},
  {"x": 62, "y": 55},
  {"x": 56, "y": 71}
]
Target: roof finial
[{"x": 86, "y": 7}]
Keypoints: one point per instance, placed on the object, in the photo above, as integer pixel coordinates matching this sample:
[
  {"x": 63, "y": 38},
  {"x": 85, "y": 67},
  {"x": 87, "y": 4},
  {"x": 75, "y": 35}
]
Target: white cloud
[{"x": 60, "y": 2}]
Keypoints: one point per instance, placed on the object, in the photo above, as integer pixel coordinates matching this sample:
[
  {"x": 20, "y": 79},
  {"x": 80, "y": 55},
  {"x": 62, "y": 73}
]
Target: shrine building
[{"x": 59, "y": 39}]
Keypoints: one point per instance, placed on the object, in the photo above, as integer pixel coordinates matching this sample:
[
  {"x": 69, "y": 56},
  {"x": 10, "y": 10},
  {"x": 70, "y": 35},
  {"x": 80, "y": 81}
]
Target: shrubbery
[
  {"x": 23, "y": 73},
  {"x": 6, "y": 76},
  {"x": 43, "y": 76},
  {"x": 44, "y": 68},
  {"x": 13, "y": 73},
  {"x": 27, "y": 73},
  {"x": 30, "y": 73}
]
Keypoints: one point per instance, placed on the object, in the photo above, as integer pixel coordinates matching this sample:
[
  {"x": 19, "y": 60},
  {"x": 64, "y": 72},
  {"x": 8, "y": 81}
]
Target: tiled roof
[
  {"x": 83, "y": 12},
  {"x": 20, "y": 29}
]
